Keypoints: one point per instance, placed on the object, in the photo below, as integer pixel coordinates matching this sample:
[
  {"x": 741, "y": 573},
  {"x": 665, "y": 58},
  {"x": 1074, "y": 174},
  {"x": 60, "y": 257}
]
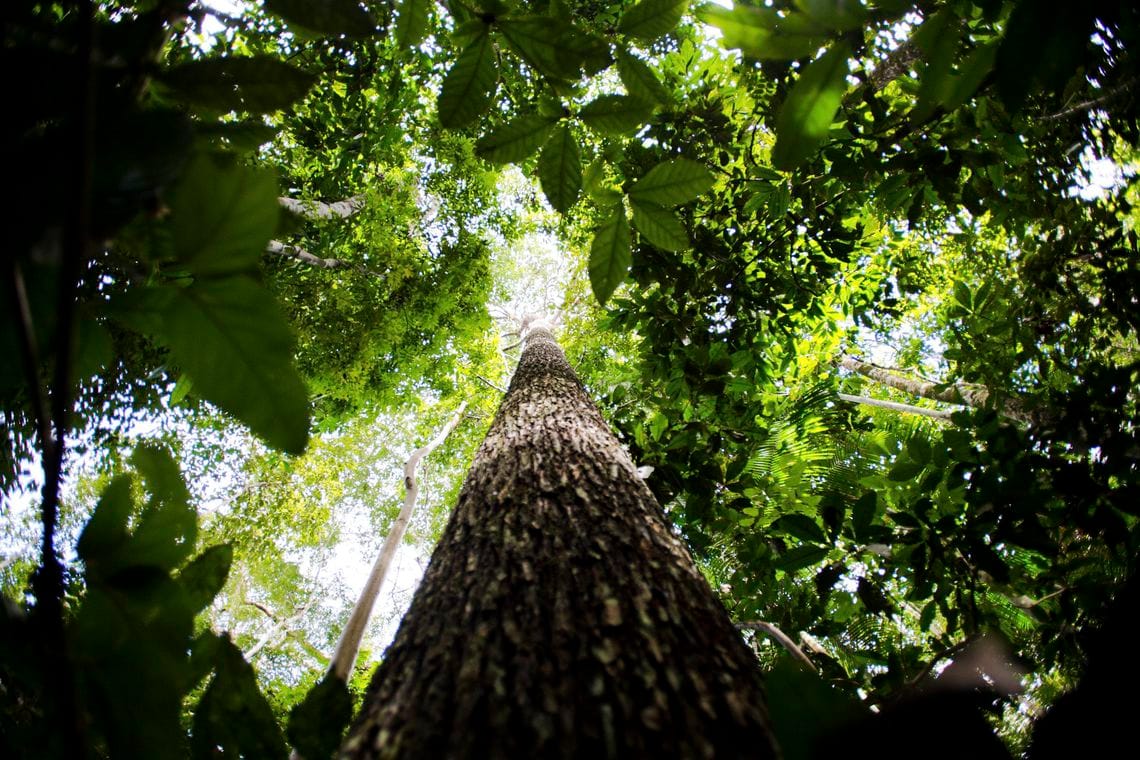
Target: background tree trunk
[{"x": 560, "y": 615}]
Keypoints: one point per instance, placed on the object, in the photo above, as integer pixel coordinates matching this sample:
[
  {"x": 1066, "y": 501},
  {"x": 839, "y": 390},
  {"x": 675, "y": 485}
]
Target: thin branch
[
  {"x": 781, "y": 638},
  {"x": 300, "y": 254},
  {"x": 30, "y": 356},
  {"x": 489, "y": 384},
  {"x": 940, "y": 414},
  {"x": 1105, "y": 97}
]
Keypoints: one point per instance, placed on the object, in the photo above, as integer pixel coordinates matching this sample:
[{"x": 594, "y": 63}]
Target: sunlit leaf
[
  {"x": 649, "y": 19},
  {"x": 560, "y": 169},
  {"x": 222, "y": 216},
  {"x": 672, "y": 183},
  {"x": 610, "y": 255},
  {"x": 757, "y": 32},
  {"x": 806, "y": 115},
  {"x": 639, "y": 79},
  {"x": 659, "y": 226}
]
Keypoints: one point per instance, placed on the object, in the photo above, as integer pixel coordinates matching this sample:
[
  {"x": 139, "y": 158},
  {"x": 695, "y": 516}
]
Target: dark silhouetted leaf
[
  {"x": 325, "y": 16},
  {"x": 204, "y": 577},
  {"x": 317, "y": 724},
  {"x": 756, "y": 32},
  {"x": 411, "y": 26},
  {"x": 233, "y": 719},
  {"x": 258, "y": 84},
  {"x": 107, "y": 528}
]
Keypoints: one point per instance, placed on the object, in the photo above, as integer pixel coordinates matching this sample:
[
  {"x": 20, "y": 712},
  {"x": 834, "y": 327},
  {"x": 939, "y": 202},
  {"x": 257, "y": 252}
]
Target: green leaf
[
  {"x": 649, "y": 19},
  {"x": 803, "y": 708},
  {"x": 598, "y": 186},
  {"x": 801, "y": 557},
  {"x": 553, "y": 49},
  {"x": 516, "y": 140},
  {"x": 904, "y": 471},
  {"x": 616, "y": 114},
  {"x": 972, "y": 72},
  {"x": 258, "y": 84},
  {"x": 204, "y": 577},
  {"x": 806, "y": 115},
  {"x": 757, "y": 33},
  {"x": 230, "y": 337},
  {"x": 639, "y": 79},
  {"x": 802, "y": 527},
  {"x": 833, "y": 15},
  {"x": 222, "y": 216},
  {"x": 317, "y": 724},
  {"x": 560, "y": 169},
  {"x": 107, "y": 528},
  {"x": 238, "y": 136},
  {"x": 233, "y": 719},
  {"x": 659, "y": 225},
  {"x": 411, "y": 25},
  {"x": 470, "y": 85},
  {"x": 325, "y": 16},
  {"x": 168, "y": 526},
  {"x": 919, "y": 449},
  {"x": 610, "y": 255},
  {"x": 862, "y": 514},
  {"x": 672, "y": 183},
  {"x": 181, "y": 390}
]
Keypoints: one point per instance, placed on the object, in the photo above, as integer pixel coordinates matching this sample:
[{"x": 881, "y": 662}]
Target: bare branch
[
  {"x": 300, "y": 254},
  {"x": 781, "y": 638},
  {"x": 940, "y": 414}
]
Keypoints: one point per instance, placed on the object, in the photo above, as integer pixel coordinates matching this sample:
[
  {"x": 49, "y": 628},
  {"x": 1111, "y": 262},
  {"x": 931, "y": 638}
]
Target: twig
[
  {"x": 489, "y": 384},
  {"x": 781, "y": 638}
]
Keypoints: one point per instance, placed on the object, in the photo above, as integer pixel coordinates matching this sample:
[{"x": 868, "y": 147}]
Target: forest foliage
[{"x": 749, "y": 204}]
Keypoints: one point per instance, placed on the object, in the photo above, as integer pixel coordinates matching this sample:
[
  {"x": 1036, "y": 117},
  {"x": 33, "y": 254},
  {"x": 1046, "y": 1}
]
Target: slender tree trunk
[
  {"x": 977, "y": 398},
  {"x": 344, "y": 658},
  {"x": 560, "y": 615}
]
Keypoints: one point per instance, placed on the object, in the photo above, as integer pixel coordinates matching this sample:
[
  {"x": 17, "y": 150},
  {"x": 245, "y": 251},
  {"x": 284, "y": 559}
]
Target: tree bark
[{"x": 560, "y": 615}]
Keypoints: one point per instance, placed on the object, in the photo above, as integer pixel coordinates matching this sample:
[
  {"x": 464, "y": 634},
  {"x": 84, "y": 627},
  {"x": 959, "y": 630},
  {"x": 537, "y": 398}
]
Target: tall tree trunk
[{"x": 560, "y": 615}]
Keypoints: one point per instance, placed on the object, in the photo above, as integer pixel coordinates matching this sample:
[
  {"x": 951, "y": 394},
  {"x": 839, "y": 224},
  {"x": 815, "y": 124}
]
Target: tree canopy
[{"x": 856, "y": 279}]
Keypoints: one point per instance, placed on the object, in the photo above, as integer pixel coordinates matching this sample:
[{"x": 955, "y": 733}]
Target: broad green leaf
[
  {"x": 204, "y": 577},
  {"x": 833, "y": 15},
  {"x": 649, "y": 19},
  {"x": 862, "y": 514},
  {"x": 904, "y": 470},
  {"x": 317, "y": 724},
  {"x": 411, "y": 25},
  {"x": 233, "y": 719},
  {"x": 515, "y": 140},
  {"x": 325, "y": 16},
  {"x": 560, "y": 169},
  {"x": 758, "y": 32},
  {"x": 181, "y": 390},
  {"x": 552, "y": 49},
  {"x": 919, "y": 449},
  {"x": 639, "y": 79},
  {"x": 800, "y": 557},
  {"x": 107, "y": 528},
  {"x": 806, "y": 115},
  {"x": 972, "y": 72},
  {"x": 222, "y": 216},
  {"x": 470, "y": 84},
  {"x": 616, "y": 114},
  {"x": 659, "y": 226},
  {"x": 230, "y": 337},
  {"x": 802, "y": 527},
  {"x": 610, "y": 255},
  {"x": 672, "y": 182},
  {"x": 238, "y": 136},
  {"x": 257, "y": 84}
]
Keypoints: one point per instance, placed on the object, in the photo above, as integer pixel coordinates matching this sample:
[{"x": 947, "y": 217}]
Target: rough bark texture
[{"x": 560, "y": 615}]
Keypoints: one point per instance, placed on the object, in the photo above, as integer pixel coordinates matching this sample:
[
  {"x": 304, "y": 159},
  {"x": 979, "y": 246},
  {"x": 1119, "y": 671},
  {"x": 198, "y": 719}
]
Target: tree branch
[
  {"x": 781, "y": 638},
  {"x": 320, "y": 210},
  {"x": 940, "y": 414},
  {"x": 300, "y": 254}
]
